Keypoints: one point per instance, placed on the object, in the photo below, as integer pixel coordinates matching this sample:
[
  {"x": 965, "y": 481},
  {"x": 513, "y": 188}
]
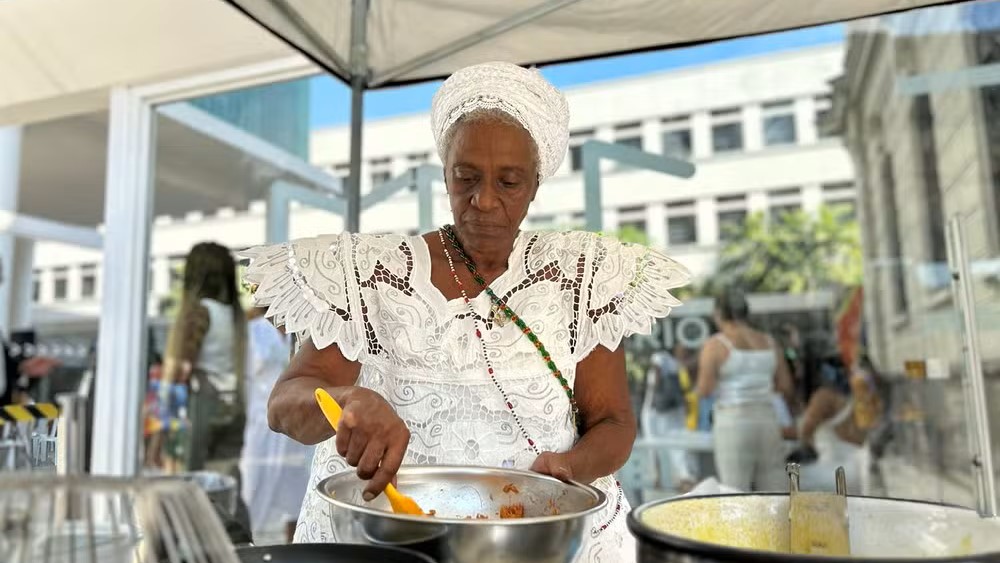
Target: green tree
[{"x": 794, "y": 252}]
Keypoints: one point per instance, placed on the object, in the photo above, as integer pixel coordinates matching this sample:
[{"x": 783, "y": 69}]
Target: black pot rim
[{"x": 726, "y": 554}]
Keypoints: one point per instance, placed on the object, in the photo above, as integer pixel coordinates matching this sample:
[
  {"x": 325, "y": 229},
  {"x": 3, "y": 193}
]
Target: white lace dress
[{"x": 372, "y": 296}]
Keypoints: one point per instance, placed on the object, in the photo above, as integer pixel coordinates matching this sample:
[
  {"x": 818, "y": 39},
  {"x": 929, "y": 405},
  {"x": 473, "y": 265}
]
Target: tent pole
[{"x": 359, "y": 78}]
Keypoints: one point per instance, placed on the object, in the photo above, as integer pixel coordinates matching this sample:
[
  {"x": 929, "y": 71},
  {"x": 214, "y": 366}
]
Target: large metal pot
[
  {"x": 754, "y": 528},
  {"x": 557, "y": 514}
]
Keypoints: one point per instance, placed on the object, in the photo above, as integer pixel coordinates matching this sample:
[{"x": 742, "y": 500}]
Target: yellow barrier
[{"x": 16, "y": 414}]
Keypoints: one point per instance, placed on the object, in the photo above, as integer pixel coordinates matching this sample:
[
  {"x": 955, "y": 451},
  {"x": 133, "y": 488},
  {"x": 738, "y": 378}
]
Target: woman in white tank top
[{"x": 741, "y": 368}]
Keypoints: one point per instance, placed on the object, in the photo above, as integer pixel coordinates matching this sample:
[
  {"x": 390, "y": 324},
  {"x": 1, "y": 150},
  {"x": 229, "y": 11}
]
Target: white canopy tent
[
  {"x": 129, "y": 57},
  {"x": 392, "y": 42}
]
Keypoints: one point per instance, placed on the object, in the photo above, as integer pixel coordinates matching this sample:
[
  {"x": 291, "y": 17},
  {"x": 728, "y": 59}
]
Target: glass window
[
  {"x": 897, "y": 273},
  {"x": 778, "y": 212},
  {"x": 88, "y": 281},
  {"x": 730, "y": 222},
  {"x": 36, "y": 286},
  {"x": 727, "y": 137},
  {"x": 779, "y": 123},
  {"x": 576, "y": 141},
  {"x": 824, "y": 105},
  {"x": 629, "y": 135},
  {"x": 682, "y": 229},
  {"x": 677, "y": 143},
  {"x": 779, "y": 130},
  {"x": 61, "y": 283}
]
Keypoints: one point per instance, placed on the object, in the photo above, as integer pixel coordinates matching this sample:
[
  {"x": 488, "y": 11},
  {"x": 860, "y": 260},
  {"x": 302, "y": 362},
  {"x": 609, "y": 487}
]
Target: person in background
[
  {"x": 837, "y": 420},
  {"x": 665, "y": 409},
  {"x": 742, "y": 368},
  {"x": 17, "y": 371},
  {"x": 206, "y": 351},
  {"x": 275, "y": 468}
]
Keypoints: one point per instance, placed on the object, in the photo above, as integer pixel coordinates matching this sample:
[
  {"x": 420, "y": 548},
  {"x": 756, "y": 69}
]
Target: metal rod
[
  {"x": 841, "y": 477},
  {"x": 792, "y": 469},
  {"x": 499, "y": 28},
  {"x": 359, "y": 80},
  {"x": 981, "y": 447},
  {"x": 314, "y": 38}
]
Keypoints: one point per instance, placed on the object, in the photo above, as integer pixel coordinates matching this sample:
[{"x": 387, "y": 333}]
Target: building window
[
  {"x": 415, "y": 161},
  {"x": 923, "y": 122},
  {"x": 340, "y": 170},
  {"x": 576, "y": 141},
  {"x": 632, "y": 218},
  {"x": 897, "y": 275},
  {"x": 88, "y": 281},
  {"x": 732, "y": 215},
  {"x": 824, "y": 109},
  {"x": 381, "y": 171},
  {"x": 629, "y": 135},
  {"x": 36, "y": 286},
  {"x": 677, "y": 137},
  {"x": 779, "y": 123},
  {"x": 841, "y": 198},
  {"x": 845, "y": 209},
  {"x": 782, "y": 202},
  {"x": 727, "y": 130},
  {"x": 682, "y": 223},
  {"x": 60, "y": 277}
]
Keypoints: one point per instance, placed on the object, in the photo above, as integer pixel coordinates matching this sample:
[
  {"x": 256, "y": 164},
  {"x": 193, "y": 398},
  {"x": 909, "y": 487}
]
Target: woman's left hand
[{"x": 553, "y": 464}]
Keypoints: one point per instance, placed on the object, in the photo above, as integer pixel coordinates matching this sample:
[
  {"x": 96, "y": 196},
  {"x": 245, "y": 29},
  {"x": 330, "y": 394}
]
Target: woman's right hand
[{"x": 371, "y": 437}]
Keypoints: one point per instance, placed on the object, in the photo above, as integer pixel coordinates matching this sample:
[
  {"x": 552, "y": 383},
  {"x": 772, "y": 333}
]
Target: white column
[
  {"x": 122, "y": 339},
  {"x": 74, "y": 284},
  {"x": 656, "y": 224},
  {"x": 652, "y": 137},
  {"x": 605, "y": 133},
  {"x": 22, "y": 284},
  {"x": 756, "y": 201},
  {"x": 10, "y": 181},
  {"x": 812, "y": 198},
  {"x": 805, "y": 121},
  {"x": 701, "y": 135},
  {"x": 708, "y": 221},
  {"x": 753, "y": 128}
]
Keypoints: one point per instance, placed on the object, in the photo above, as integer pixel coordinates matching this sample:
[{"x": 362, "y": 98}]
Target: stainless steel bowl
[
  {"x": 557, "y": 514},
  {"x": 754, "y": 528}
]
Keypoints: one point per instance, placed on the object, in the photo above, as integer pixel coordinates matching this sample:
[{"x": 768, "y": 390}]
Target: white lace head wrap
[{"x": 521, "y": 93}]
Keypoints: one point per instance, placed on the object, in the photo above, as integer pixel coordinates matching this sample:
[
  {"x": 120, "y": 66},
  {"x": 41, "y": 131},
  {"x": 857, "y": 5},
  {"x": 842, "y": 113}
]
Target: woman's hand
[
  {"x": 554, "y": 465},
  {"x": 372, "y": 438}
]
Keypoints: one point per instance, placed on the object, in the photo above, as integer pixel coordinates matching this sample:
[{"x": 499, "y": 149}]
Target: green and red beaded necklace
[{"x": 449, "y": 232}]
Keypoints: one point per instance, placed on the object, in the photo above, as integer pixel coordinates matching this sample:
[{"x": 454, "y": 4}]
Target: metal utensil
[
  {"x": 79, "y": 518},
  {"x": 401, "y": 503},
  {"x": 557, "y": 514},
  {"x": 818, "y": 522}
]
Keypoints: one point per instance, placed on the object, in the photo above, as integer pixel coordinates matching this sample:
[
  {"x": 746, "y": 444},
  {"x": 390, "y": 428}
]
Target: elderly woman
[{"x": 476, "y": 344}]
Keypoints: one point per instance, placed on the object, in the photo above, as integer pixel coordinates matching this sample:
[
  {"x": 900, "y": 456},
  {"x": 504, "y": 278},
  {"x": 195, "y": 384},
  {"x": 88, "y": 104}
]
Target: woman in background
[
  {"x": 206, "y": 351},
  {"x": 275, "y": 468},
  {"x": 742, "y": 368}
]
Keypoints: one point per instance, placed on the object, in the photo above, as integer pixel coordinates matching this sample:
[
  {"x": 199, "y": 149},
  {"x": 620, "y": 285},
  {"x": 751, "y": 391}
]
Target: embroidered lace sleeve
[
  {"x": 309, "y": 287},
  {"x": 625, "y": 288}
]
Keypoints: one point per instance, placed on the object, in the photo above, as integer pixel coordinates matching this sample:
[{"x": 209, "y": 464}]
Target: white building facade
[{"x": 749, "y": 125}]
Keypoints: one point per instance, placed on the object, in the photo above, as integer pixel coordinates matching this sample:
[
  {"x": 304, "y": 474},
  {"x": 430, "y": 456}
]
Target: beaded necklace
[
  {"x": 507, "y": 311},
  {"x": 501, "y": 305}
]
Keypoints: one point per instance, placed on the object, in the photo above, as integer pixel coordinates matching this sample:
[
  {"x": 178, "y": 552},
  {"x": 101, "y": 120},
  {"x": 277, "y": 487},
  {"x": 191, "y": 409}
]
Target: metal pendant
[{"x": 499, "y": 317}]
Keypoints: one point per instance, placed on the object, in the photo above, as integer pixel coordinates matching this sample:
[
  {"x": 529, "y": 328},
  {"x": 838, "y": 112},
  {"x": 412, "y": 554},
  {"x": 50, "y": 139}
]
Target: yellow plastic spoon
[{"x": 401, "y": 504}]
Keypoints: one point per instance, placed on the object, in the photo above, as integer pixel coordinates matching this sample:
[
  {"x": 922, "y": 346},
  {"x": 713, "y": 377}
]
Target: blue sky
[{"x": 330, "y": 99}]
